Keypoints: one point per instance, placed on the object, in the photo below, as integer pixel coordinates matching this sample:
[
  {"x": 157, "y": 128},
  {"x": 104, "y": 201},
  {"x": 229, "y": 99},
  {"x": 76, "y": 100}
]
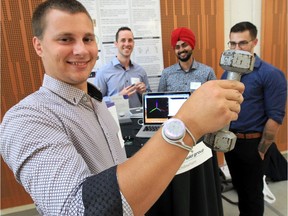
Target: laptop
[{"x": 157, "y": 108}]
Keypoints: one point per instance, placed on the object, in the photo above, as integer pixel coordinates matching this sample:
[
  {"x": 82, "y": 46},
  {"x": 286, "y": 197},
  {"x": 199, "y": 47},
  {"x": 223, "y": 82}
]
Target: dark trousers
[{"x": 247, "y": 169}]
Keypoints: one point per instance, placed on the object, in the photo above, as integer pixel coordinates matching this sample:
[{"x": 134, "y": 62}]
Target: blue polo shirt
[{"x": 265, "y": 97}]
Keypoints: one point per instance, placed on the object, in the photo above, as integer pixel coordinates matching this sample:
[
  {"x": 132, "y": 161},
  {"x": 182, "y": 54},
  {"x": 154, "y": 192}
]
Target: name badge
[
  {"x": 135, "y": 80},
  {"x": 195, "y": 85}
]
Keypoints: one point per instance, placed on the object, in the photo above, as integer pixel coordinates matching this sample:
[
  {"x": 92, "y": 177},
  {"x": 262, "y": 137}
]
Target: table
[{"x": 194, "y": 193}]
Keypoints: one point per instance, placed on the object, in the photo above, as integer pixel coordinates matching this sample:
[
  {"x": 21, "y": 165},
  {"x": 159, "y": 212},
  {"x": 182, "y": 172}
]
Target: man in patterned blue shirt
[
  {"x": 188, "y": 74},
  {"x": 62, "y": 143}
]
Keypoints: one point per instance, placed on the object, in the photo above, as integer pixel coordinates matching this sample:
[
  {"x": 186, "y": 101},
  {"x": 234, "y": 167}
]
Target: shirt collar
[
  {"x": 257, "y": 61},
  {"x": 68, "y": 92},
  {"x": 194, "y": 66},
  {"x": 116, "y": 62}
]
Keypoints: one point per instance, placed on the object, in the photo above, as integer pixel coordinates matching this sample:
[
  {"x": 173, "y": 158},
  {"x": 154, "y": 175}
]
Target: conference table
[{"x": 196, "y": 192}]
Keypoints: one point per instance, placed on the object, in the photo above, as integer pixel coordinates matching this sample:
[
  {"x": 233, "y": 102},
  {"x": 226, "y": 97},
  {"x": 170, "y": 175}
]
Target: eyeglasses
[{"x": 241, "y": 44}]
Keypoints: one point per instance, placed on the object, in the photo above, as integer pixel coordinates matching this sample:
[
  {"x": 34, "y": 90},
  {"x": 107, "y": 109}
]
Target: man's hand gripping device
[{"x": 236, "y": 63}]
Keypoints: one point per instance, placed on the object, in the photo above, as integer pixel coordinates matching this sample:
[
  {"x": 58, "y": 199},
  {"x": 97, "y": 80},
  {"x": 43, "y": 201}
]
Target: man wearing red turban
[
  {"x": 183, "y": 34},
  {"x": 188, "y": 74}
]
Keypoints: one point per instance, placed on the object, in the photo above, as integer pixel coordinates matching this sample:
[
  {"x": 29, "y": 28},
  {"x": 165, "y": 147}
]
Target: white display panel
[{"x": 144, "y": 19}]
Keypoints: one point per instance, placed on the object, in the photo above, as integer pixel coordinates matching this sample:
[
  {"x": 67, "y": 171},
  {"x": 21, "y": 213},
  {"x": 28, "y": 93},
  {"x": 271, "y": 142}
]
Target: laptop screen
[{"x": 160, "y": 106}]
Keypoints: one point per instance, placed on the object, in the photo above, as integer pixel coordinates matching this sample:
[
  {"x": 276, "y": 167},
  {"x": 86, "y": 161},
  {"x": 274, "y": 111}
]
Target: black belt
[{"x": 248, "y": 135}]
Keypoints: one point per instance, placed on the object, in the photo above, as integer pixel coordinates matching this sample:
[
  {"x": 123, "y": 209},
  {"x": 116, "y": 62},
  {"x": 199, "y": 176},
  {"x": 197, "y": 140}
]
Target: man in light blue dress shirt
[{"x": 121, "y": 75}]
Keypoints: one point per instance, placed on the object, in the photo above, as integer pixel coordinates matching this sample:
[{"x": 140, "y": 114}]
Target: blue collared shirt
[
  {"x": 174, "y": 78},
  {"x": 265, "y": 97},
  {"x": 112, "y": 78}
]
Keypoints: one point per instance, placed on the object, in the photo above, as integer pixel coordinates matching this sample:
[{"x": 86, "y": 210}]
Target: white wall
[{"x": 242, "y": 10}]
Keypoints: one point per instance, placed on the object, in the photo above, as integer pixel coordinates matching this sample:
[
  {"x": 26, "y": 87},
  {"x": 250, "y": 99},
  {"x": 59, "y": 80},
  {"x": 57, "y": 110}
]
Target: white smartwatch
[{"x": 174, "y": 131}]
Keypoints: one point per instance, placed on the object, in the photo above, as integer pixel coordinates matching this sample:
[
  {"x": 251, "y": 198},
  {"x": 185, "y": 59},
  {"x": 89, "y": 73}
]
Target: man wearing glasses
[{"x": 261, "y": 115}]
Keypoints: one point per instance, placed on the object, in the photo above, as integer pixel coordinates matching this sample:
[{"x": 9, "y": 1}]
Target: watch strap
[{"x": 180, "y": 143}]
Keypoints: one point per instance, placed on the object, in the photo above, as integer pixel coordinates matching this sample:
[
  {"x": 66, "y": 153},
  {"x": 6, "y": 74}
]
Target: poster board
[{"x": 144, "y": 19}]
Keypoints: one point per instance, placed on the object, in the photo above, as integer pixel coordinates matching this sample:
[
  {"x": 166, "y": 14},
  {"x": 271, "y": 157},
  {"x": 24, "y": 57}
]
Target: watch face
[{"x": 174, "y": 129}]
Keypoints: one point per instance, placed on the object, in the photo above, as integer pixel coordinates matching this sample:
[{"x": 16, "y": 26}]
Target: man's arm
[
  {"x": 268, "y": 136},
  {"x": 275, "y": 97},
  {"x": 129, "y": 90},
  {"x": 146, "y": 83},
  {"x": 144, "y": 177},
  {"x": 100, "y": 82},
  {"x": 35, "y": 145},
  {"x": 162, "y": 83},
  {"x": 212, "y": 75},
  {"x": 143, "y": 86}
]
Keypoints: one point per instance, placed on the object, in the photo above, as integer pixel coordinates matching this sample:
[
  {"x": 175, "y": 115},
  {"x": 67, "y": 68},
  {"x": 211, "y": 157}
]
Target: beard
[{"x": 186, "y": 58}]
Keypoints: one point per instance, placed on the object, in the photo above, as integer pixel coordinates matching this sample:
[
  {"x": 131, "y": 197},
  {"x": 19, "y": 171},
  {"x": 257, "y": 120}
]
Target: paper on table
[
  {"x": 122, "y": 105},
  {"x": 113, "y": 112}
]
